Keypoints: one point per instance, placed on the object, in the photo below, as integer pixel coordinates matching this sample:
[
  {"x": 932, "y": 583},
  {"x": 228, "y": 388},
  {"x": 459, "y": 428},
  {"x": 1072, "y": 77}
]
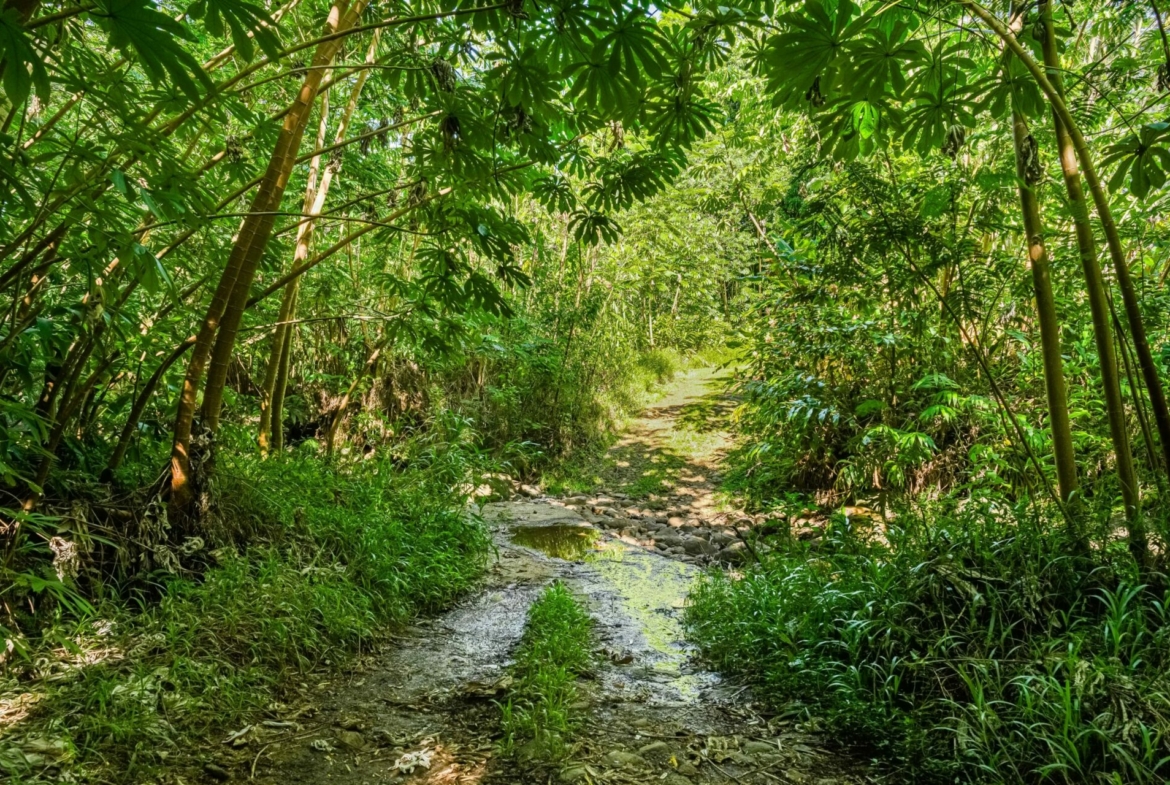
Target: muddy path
[{"x": 423, "y": 712}]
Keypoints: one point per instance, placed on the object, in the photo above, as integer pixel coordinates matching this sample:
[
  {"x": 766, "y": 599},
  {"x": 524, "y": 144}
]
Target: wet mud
[{"x": 425, "y": 710}]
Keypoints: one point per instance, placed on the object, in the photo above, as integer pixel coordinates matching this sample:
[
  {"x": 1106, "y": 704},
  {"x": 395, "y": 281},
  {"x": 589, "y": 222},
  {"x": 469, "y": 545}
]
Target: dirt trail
[{"x": 653, "y": 714}]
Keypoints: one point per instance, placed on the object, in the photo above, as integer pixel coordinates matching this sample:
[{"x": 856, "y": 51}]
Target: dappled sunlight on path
[{"x": 671, "y": 455}]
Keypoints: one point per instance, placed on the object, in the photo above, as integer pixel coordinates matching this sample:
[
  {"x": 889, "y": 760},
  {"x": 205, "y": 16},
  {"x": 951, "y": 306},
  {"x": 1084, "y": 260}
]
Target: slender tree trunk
[
  {"x": 343, "y": 404},
  {"x": 315, "y": 196},
  {"x": 281, "y": 387},
  {"x": 285, "y": 314},
  {"x": 71, "y": 405},
  {"x": 1028, "y": 169},
  {"x": 231, "y": 294},
  {"x": 1094, "y": 280},
  {"x": 140, "y": 404},
  {"x": 225, "y": 340}
]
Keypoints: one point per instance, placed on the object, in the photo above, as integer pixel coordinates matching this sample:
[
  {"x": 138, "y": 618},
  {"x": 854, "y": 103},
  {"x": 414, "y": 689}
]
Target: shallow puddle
[{"x": 570, "y": 543}]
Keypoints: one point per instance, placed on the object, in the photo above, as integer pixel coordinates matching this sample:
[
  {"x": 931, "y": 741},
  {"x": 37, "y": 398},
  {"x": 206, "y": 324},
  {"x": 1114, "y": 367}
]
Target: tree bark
[
  {"x": 1062, "y": 445},
  {"x": 231, "y": 294},
  {"x": 285, "y": 312},
  {"x": 1094, "y": 280},
  {"x": 281, "y": 386},
  {"x": 314, "y": 203}
]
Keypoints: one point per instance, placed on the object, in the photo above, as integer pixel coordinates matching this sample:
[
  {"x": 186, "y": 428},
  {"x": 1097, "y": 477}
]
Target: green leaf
[
  {"x": 241, "y": 18},
  {"x": 797, "y": 61},
  {"x": 23, "y": 67},
  {"x": 936, "y": 202},
  {"x": 1142, "y": 158},
  {"x": 136, "y": 27}
]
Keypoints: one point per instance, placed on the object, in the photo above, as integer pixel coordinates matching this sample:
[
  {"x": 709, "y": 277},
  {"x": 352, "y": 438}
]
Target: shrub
[{"x": 968, "y": 647}]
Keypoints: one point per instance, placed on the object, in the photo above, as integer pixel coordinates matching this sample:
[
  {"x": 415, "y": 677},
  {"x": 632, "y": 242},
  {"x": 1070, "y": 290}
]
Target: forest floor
[{"x": 425, "y": 709}]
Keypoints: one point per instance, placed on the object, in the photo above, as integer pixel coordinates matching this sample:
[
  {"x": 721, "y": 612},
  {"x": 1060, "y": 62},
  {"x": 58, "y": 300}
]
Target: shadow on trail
[{"x": 674, "y": 451}]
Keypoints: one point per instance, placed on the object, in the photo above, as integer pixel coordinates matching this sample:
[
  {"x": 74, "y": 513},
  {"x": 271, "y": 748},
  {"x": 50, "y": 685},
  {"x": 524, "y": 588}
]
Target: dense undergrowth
[
  {"x": 538, "y": 714},
  {"x": 965, "y": 643},
  {"x": 338, "y": 555}
]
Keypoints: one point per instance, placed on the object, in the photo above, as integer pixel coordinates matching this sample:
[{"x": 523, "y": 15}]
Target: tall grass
[
  {"x": 338, "y": 554},
  {"x": 969, "y": 646},
  {"x": 538, "y": 714}
]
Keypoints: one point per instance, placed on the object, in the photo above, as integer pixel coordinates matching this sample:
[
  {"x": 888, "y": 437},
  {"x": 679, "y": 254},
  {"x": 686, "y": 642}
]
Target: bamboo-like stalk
[
  {"x": 1062, "y": 444},
  {"x": 227, "y": 303}
]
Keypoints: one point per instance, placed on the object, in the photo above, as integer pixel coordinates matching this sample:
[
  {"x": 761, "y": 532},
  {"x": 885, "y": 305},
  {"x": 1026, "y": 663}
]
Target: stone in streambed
[
  {"x": 653, "y": 747},
  {"x": 620, "y": 759},
  {"x": 735, "y": 553}
]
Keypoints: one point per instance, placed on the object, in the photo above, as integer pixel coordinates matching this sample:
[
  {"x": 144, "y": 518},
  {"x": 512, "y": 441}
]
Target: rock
[
  {"x": 723, "y": 538},
  {"x": 620, "y": 759},
  {"x": 653, "y": 747},
  {"x": 573, "y": 774},
  {"x": 696, "y": 546},
  {"x": 215, "y": 771},
  {"x": 688, "y": 769},
  {"x": 531, "y": 491},
  {"x": 621, "y": 657},
  {"x": 675, "y": 521},
  {"x": 735, "y": 553},
  {"x": 351, "y": 739},
  {"x": 671, "y": 540}
]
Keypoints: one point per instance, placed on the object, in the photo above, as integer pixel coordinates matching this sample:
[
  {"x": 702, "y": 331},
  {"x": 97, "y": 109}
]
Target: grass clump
[
  {"x": 336, "y": 555},
  {"x": 538, "y": 714},
  {"x": 968, "y": 646}
]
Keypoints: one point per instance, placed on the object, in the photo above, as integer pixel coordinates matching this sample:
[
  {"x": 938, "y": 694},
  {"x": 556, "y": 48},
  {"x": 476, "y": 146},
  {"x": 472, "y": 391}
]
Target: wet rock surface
[{"x": 423, "y": 710}]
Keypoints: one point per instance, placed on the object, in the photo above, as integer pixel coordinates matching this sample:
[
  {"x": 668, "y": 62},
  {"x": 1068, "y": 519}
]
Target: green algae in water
[{"x": 570, "y": 543}]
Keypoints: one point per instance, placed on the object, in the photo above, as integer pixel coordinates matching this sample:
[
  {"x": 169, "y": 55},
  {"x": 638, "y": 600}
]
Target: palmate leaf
[
  {"x": 23, "y": 68},
  {"x": 591, "y": 227},
  {"x": 625, "y": 180},
  {"x": 933, "y": 115},
  {"x": 571, "y": 34},
  {"x": 240, "y": 18},
  {"x": 596, "y": 89},
  {"x": 1142, "y": 158},
  {"x": 555, "y": 192},
  {"x": 136, "y": 27},
  {"x": 633, "y": 48},
  {"x": 814, "y": 37},
  {"x": 525, "y": 81},
  {"x": 1012, "y": 87},
  {"x": 681, "y": 120},
  {"x": 852, "y": 128},
  {"x": 879, "y": 59}
]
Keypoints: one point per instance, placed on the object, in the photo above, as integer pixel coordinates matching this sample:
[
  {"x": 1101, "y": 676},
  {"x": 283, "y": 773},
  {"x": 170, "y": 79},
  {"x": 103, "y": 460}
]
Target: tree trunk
[
  {"x": 231, "y": 294},
  {"x": 1027, "y": 169},
  {"x": 343, "y": 404},
  {"x": 140, "y": 406},
  {"x": 281, "y": 386},
  {"x": 285, "y": 314},
  {"x": 1094, "y": 280},
  {"x": 315, "y": 196}
]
